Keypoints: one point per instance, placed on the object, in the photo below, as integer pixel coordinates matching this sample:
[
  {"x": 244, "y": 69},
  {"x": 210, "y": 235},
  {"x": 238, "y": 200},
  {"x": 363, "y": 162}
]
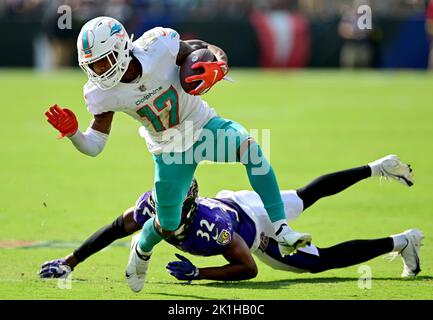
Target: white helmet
[{"x": 100, "y": 38}]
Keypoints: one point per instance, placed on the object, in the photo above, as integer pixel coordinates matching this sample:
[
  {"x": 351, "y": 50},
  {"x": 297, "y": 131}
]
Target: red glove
[
  {"x": 213, "y": 72},
  {"x": 63, "y": 120}
]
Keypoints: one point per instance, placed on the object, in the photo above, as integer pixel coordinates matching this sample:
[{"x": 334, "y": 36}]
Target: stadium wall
[{"x": 274, "y": 40}]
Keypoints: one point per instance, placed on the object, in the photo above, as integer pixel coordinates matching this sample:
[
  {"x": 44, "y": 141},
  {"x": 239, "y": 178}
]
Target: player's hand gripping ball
[{"x": 200, "y": 71}]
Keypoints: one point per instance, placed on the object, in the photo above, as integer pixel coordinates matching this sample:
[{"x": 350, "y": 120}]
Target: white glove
[{"x": 289, "y": 240}]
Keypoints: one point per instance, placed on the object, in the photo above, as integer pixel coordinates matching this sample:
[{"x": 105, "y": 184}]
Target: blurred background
[
  {"x": 291, "y": 58},
  {"x": 254, "y": 33}
]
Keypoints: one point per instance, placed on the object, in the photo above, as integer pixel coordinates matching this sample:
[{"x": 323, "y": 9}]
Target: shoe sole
[
  {"x": 302, "y": 242},
  {"x": 415, "y": 239},
  {"x": 129, "y": 276},
  {"x": 408, "y": 182}
]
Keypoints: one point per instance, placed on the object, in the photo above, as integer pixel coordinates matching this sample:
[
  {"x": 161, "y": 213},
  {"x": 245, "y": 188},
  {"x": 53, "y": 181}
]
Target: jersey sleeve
[
  {"x": 170, "y": 38},
  {"x": 158, "y": 41},
  {"x": 143, "y": 210},
  {"x": 98, "y": 101}
]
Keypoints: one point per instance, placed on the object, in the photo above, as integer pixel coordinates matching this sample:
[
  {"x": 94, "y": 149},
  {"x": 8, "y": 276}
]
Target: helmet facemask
[
  {"x": 119, "y": 61},
  {"x": 104, "y": 38}
]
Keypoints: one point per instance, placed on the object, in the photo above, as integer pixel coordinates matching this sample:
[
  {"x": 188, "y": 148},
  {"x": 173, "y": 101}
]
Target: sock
[
  {"x": 375, "y": 169},
  {"x": 262, "y": 179},
  {"x": 331, "y": 183},
  {"x": 149, "y": 237},
  {"x": 400, "y": 242},
  {"x": 144, "y": 255},
  {"x": 101, "y": 239},
  {"x": 352, "y": 252}
]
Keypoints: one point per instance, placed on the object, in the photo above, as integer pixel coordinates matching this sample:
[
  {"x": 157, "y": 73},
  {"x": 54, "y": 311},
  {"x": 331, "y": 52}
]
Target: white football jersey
[
  {"x": 171, "y": 119},
  {"x": 253, "y": 206}
]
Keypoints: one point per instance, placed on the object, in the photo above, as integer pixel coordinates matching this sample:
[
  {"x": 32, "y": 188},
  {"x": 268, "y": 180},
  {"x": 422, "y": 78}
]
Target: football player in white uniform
[{"x": 141, "y": 78}]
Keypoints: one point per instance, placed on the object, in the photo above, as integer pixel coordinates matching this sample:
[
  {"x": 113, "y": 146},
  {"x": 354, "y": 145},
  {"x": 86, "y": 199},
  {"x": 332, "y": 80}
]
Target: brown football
[{"x": 185, "y": 69}]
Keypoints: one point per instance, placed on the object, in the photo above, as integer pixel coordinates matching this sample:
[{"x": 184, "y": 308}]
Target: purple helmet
[{"x": 145, "y": 206}]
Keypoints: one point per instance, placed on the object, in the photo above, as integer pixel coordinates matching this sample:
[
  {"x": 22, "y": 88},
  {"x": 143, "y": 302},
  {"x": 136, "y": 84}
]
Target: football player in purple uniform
[{"x": 236, "y": 225}]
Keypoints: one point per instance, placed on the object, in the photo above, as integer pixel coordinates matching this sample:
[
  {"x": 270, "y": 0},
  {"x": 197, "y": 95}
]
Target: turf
[{"x": 319, "y": 122}]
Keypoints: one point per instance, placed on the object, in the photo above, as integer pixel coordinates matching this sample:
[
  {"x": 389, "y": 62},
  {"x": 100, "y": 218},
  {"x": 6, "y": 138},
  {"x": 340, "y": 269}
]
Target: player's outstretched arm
[
  {"x": 93, "y": 140},
  {"x": 123, "y": 226},
  {"x": 241, "y": 265}
]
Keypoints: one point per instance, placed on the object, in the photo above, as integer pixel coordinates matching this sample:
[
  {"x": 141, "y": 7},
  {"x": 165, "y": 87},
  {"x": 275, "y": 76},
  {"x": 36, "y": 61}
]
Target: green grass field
[{"x": 320, "y": 122}]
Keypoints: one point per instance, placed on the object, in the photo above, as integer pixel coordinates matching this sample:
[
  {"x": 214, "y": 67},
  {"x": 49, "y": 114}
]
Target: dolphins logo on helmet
[{"x": 104, "y": 38}]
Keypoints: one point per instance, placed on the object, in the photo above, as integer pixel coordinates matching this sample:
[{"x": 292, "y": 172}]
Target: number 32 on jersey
[{"x": 164, "y": 113}]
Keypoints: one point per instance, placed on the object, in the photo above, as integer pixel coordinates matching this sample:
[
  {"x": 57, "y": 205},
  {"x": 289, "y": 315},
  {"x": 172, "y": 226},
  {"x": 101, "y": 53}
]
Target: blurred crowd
[
  {"x": 357, "y": 50},
  {"x": 124, "y": 9}
]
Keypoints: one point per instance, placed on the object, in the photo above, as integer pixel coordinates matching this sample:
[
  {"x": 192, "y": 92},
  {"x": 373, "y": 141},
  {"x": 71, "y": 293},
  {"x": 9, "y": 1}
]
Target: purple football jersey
[
  {"x": 244, "y": 225},
  {"x": 144, "y": 208},
  {"x": 212, "y": 227},
  {"x": 209, "y": 229}
]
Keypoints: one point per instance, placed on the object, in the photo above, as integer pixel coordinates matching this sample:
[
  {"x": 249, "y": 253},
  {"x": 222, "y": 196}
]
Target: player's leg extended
[
  {"x": 233, "y": 143},
  {"x": 262, "y": 178},
  {"x": 172, "y": 182},
  {"x": 314, "y": 260},
  {"x": 264, "y": 183},
  {"x": 407, "y": 244},
  {"x": 332, "y": 183},
  {"x": 299, "y": 262},
  {"x": 345, "y": 254}
]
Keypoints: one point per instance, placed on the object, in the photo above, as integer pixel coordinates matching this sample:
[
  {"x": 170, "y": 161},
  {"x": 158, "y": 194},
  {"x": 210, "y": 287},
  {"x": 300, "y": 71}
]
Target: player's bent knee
[
  {"x": 251, "y": 156},
  {"x": 168, "y": 224},
  {"x": 250, "y": 153},
  {"x": 248, "y": 150}
]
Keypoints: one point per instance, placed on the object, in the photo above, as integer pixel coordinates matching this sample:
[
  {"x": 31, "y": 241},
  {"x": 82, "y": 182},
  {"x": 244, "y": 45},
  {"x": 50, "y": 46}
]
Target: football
[{"x": 185, "y": 69}]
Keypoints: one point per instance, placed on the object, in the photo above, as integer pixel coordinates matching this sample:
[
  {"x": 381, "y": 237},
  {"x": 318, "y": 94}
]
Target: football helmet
[{"x": 104, "y": 37}]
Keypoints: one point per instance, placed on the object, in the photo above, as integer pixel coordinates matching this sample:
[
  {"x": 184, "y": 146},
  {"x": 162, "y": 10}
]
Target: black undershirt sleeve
[{"x": 101, "y": 239}]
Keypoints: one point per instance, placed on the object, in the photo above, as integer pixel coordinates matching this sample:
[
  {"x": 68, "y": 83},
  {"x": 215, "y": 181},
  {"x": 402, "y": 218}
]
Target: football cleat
[
  {"x": 136, "y": 270},
  {"x": 289, "y": 241},
  {"x": 410, "y": 253},
  {"x": 391, "y": 167}
]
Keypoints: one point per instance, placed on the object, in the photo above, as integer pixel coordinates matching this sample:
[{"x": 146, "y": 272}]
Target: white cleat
[
  {"x": 289, "y": 241},
  {"x": 136, "y": 270},
  {"x": 391, "y": 167},
  {"x": 410, "y": 253}
]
